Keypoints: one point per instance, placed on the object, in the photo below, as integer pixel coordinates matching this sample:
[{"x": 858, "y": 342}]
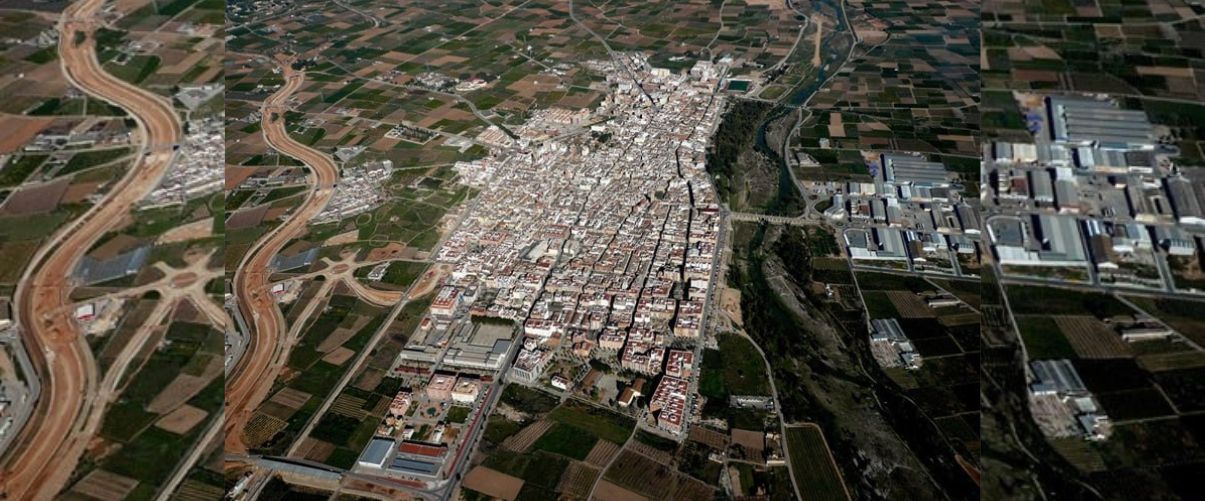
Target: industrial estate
[{"x": 601, "y": 250}]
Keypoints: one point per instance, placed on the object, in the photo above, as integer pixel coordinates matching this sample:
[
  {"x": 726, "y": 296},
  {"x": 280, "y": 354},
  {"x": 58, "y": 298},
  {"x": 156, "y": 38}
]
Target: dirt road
[
  {"x": 267, "y": 350},
  {"x": 68, "y": 412}
]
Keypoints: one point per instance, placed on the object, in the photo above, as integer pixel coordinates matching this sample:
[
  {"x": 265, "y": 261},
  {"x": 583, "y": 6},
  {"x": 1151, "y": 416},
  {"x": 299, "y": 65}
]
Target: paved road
[
  {"x": 376, "y": 23},
  {"x": 615, "y": 56},
  {"x": 68, "y": 414},
  {"x": 266, "y": 350}
]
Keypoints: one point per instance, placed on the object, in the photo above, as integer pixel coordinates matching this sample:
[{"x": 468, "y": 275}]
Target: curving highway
[
  {"x": 267, "y": 348},
  {"x": 70, "y": 410}
]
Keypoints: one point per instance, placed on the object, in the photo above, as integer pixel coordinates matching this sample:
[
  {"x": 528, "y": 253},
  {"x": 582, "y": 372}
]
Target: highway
[
  {"x": 69, "y": 411},
  {"x": 267, "y": 350}
]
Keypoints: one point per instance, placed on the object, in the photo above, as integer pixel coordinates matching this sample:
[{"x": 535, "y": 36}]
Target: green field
[
  {"x": 812, "y": 467},
  {"x": 399, "y": 273},
  {"x": 13, "y": 257},
  {"x": 19, "y": 168},
  {"x": 878, "y": 305},
  {"x": 541, "y": 471},
  {"x": 1026, "y": 299},
  {"x": 458, "y": 414},
  {"x": 607, "y": 425},
  {"x": 528, "y": 399},
  {"x": 1043, "y": 339},
  {"x": 318, "y": 377},
  {"x": 567, "y": 440},
  {"x": 89, "y": 159},
  {"x": 148, "y": 453},
  {"x": 735, "y": 369}
]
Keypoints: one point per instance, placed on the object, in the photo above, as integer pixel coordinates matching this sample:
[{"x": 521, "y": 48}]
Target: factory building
[
  {"x": 908, "y": 169},
  {"x": 1084, "y": 121}
]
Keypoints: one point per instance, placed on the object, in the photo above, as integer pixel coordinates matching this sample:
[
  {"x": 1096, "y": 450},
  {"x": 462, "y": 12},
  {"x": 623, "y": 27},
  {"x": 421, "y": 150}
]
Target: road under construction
[
  {"x": 71, "y": 405},
  {"x": 269, "y": 342}
]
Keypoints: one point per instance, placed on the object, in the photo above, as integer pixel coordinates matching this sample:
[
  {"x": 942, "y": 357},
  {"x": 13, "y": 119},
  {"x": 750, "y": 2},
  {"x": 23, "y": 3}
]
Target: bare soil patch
[
  {"x": 335, "y": 339},
  {"x": 339, "y": 356},
  {"x": 79, "y": 192},
  {"x": 1091, "y": 338},
  {"x": 247, "y": 218},
  {"x": 752, "y": 440},
  {"x": 708, "y": 437},
  {"x": 184, "y": 387},
  {"x": 315, "y": 450},
  {"x": 18, "y": 130},
  {"x": 602, "y": 453},
  {"x": 389, "y": 251},
  {"x": 36, "y": 199},
  {"x": 370, "y": 379},
  {"x": 607, "y": 491},
  {"x": 192, "y": 231},
  {"x": 522, "y": 441},
  {"x": 182, "y": 419},
  {"x": 290, "y": 397},
  {"x": 347, "y": 237},
  {"x": 730, "y": 304},
  {"x": 236, "y": 174},
  {"x": 910, "y": 305},
  {"x": 493, "y": 483},
  {"x": 105, "y": 485},
  {"x": 577, "y": 480},
  {"x": 426, "y": 284}
]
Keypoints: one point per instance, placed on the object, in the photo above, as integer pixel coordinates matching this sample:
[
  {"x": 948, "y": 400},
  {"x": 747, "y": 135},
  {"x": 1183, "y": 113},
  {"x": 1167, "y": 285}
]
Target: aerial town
[
  {"x": 616, "y": 270},
  {"x": 470, "y": 250}
]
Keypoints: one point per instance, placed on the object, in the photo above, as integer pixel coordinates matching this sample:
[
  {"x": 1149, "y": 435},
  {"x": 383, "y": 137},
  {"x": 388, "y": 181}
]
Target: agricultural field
[
  {"x": 736, "y": 368},
  {"x": 398, "y": 275},
  {"x": 653, "y": 479},
  {"x": 206, "y": 480},
  {"x": 748, "y": 480},
  {"x": 911, "y": 84},
  {"x": 1181, "y": 315},
  {"x": 812, "y": 464},
  {"x": 309, "y": 379},
  {"x": 605, "y": 424},
  {"x": 415, "y": 198},
  {"x": 523, "y": 53},
  {"x": 37, "y": 59},
  {"x": 556, "y": 447},
  {"x": 38, "y": 192},
  {"x": 340, "y": 434},
  {"x": 159, "y": 413},
  {"x": 762, "y": 33},
  {"x": 1150, "y": 389},
  {"x": 160, "y": 46},
  {"x": 946, "y": 386},
  {"x": 1062, "y": 45},
  {"x": 60, "y": 152}
]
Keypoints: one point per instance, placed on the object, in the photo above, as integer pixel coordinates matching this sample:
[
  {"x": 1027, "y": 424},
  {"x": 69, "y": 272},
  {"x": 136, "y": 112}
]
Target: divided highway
[
  {"x": 268, "y": 345},
  {"x": 69, "y": 411}
]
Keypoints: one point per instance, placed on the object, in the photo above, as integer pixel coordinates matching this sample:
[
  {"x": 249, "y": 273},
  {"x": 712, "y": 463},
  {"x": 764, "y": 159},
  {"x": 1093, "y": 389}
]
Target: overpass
[{"x": 749, "y": 217}]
